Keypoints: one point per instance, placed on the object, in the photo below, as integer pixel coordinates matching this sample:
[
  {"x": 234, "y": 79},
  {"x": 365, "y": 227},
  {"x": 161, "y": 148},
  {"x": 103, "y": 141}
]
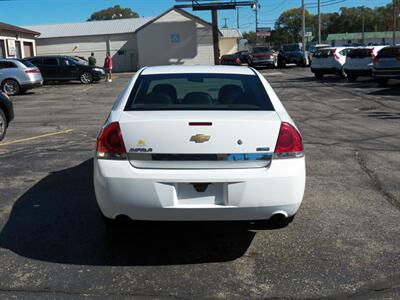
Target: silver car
[{"x": 17, "y": 76}]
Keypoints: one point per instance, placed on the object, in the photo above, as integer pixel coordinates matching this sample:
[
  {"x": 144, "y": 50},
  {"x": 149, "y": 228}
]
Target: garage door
[{"x": 28, "y": 49}]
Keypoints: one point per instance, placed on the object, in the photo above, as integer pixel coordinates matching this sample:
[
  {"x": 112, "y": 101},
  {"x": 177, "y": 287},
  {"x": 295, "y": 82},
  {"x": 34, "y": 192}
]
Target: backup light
[{"x": 110, "y": 144}]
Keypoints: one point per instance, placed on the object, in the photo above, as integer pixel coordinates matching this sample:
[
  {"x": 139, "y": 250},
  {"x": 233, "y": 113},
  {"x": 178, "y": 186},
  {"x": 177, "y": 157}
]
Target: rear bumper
[
  {"x": 246, "y": 194},
  {"x": 387, "y": 73},
  {"x": 358, "y": 72},
  {"x": 324, "y": 70},
  {"x": 31, "y": 85},
  {"x": 263, "y": 62}
]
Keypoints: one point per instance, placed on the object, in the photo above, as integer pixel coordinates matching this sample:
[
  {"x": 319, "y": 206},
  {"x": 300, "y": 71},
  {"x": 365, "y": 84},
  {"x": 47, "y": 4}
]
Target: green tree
[{"x": 112, "y": 13}]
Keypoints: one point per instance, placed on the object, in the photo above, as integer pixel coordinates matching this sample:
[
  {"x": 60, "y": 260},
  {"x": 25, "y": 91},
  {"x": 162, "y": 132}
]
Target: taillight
[
  {"x": 375, "y": 59},
  {"x": 34, "y": 70},
  {"x": 337, "y": 58},
  {"x": 110, "y": 144},
  {"x": 290, "y": 143},
  {"x": 238, "y": 61},
  {"x": 372, "y": 53}
]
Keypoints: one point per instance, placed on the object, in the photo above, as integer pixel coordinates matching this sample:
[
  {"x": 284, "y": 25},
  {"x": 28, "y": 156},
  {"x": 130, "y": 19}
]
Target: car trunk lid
[{"x": 199, "y": 139}]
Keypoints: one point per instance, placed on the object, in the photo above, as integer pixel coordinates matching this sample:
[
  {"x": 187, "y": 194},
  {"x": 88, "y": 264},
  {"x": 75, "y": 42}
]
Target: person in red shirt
[{"x": 108, "y": 67}]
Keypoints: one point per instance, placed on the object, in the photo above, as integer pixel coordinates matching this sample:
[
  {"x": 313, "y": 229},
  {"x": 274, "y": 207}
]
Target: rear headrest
[
  {"x": 156, "y": 98},
  {"x": 167, "y": 89},
  {"x": 197, "y": 98},
  {"x": 229, "y": 94}
]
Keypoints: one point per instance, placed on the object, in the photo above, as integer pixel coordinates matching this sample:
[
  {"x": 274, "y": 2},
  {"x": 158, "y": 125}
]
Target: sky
[{"x": 32, "y": 12}]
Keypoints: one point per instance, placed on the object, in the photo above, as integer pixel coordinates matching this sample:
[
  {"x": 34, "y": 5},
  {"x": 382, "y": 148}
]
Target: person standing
[
  {"x": 108, "y": 67},
  {"x": 92, "y": 60}
]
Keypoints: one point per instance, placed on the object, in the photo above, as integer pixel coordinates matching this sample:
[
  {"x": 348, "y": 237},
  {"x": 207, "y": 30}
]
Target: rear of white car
[
  {"x": 329, "y": 61},
  {"x": 359, "y": 61},
  {"x": 199, "y": 143}
]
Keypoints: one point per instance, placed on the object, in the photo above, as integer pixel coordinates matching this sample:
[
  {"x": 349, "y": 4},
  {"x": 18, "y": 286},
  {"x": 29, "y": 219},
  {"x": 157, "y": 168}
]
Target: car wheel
[
  {"x": 382, "y": 81},
  {"x": 342, "y": 73},
  {"x": 10, "y": 87},
  {"x": 319, "y": 75},
  {"x": 351, "y": 78},
  {"x": 3, "y": 124},
  {"x": 86, "y": 77}
]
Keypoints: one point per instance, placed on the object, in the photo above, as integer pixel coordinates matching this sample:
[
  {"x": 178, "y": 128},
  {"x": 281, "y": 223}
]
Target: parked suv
[
  {"x": 18, "y": 76},
  {"x": 6, "y": 114},
  {"x": 329, "y": 61},
  {"x": 65, "y": 68},
  {"x": 293, "y": 54},
  {"x": 359, "y": 61},
  {"x": 387, "y": 64},
  {"x": 263, "y": 56}
]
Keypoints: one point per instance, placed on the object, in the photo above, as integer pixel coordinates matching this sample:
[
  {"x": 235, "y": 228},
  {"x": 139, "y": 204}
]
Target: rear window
[
  {"x": 291, "y": 48},
  {"x": 389, "y": 52},
  {"x": 324, "y": 53},
  {"x": 27, "y": 63},
  {"x": 50, "y": 61},
  {"x": 198, "y": 92},
  {"x": 359, "y": 53},
  {"x": 8, "y": 65},
  {"x": 261, "y": 50}
]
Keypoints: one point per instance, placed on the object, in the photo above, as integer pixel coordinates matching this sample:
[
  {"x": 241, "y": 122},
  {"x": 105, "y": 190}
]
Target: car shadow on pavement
[
  {"x": 389, "y": 90},
  {"x": 57, "y": 220}
]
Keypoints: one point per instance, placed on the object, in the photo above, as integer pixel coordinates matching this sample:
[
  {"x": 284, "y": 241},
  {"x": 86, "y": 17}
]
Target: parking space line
[
  {"x": 88, "y": 88},
  {"x": 36, "y": 137}
]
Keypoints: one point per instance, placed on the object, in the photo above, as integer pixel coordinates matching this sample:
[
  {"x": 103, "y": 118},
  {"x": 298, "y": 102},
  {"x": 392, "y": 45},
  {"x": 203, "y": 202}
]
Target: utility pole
[
  {"x": 214, "y": 17},
  {"x": 319, "y": 22},
  {"x": 394, "y": 21},
  {"x": 237, "y": 18},
  {"x": 303, "y": 29},
  {"x": 363, "y": 27},
  {"x": 256, "y": 15},
  {"x": 225, "y": 25}
]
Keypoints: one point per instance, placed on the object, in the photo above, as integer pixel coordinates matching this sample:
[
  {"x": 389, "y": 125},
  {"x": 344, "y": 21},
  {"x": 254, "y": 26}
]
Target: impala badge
[{"x": 200, "y": 138}]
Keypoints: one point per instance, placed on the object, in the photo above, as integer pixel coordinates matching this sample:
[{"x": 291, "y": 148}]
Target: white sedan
[{"x": 188, "y": 143}]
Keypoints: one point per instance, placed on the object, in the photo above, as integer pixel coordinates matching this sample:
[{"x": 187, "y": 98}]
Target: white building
[
  {"x": 16, "y": 42},
  {"x": 229, "y": 43},
  {"x": 175, "y": 37}
]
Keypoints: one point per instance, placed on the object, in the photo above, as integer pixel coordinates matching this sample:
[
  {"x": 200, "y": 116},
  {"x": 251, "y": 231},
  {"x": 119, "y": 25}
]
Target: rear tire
[
  {"x": 382, "y": 81},
  {"x": 10, "y": 87},
  {"x": 342, "y": 74},
  {"x": 351, "y": 78},
  {"x": 319, "y": 76},
  {"x": 3, "y": 124}
]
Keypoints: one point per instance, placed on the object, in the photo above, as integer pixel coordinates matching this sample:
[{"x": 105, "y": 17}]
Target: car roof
[{"x": 197, "y": 70}]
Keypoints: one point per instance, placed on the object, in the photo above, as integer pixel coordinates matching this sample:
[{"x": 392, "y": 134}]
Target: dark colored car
[
  {"x": 387, "y": 64},
  {"x": 6, "y": 114},
  {"x": 65, "y": 68},
  {"x": 263, "y": 56},
  {"x": 293, "y": 54},
  {"x": 238, "y": 58}
]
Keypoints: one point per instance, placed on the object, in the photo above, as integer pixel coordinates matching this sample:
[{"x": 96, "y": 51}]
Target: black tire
[
  {"x": 342, "y": 73},
  {"x": 86, "y": 78},
  {"x": 382, "y": 81},
  {"x": 3, "y": 124},
  {"x": 319, "y": 76},
  {"x": 352, "y": 78},
  {"x": 10, "y": 87}
]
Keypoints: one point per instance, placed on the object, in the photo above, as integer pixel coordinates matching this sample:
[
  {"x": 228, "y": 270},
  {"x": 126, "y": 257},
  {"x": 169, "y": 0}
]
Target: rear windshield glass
[
  {"x": 359, "y": 53},
  {"x": 389, "y": 52},
  {"x": 198, "y": 92},
  {"x": 261, "y": 50},
  {"x": 324, "y": 53},
  {"x": 290, "y": 48},
  {"x": 27, "y": 63}
]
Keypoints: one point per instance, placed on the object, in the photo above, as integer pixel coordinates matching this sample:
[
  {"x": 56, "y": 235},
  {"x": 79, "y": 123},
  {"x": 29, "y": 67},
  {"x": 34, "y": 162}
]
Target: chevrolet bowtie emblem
[{"x": 200, "y": 138}]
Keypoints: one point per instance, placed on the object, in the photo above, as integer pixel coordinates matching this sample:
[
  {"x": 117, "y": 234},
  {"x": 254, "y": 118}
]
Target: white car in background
[
  {"x": 199, "y": 143},
  {"x": 329, "y": 60},
  {"x": 359, "y": 61}
]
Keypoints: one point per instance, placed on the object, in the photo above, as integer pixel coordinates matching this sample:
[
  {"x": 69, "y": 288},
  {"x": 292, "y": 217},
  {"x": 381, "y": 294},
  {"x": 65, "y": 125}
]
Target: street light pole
[
  {"x": 303, "y": 29},
  {"x": 363, "y": 27},
  {"x": 319, "y": 22},
  {"x": 394, "y": 21}
]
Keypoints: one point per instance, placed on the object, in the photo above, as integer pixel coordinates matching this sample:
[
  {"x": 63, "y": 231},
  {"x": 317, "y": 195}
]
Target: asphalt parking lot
[{"x": 344, "y": 242}]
